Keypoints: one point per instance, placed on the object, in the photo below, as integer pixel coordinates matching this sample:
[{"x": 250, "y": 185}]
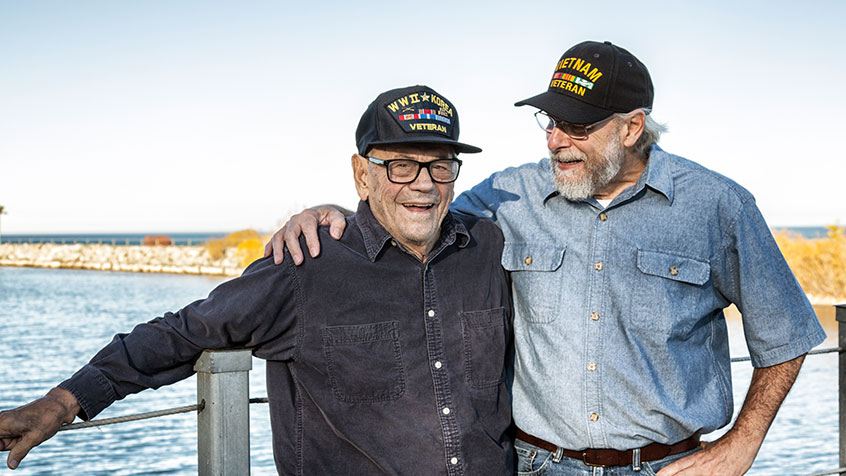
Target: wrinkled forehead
[{"x": 414, "y": 150}]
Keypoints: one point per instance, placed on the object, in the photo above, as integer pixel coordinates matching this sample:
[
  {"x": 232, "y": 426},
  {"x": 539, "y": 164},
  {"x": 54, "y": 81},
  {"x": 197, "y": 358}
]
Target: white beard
[{"x": 597, "y": 172}]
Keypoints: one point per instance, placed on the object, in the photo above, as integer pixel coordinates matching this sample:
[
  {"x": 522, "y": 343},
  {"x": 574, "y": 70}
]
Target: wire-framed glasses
[{"x": 575, "y": 131}]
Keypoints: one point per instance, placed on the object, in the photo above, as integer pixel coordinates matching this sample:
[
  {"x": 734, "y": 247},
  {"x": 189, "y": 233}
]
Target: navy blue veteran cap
[
  {"x": 593, "y": 80},
  {"x": 416, "y": 114}
]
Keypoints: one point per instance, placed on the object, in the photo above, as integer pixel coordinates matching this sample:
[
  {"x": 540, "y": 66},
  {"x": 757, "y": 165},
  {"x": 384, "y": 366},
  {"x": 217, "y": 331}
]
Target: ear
[
  {"x": 634, "y": 128},
  {"x": 361, "y": 170}
]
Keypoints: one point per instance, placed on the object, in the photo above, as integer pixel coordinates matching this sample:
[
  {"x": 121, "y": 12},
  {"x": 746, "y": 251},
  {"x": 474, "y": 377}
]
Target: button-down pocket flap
[
  {"x": 675, "y": 267},
  {"x": 531, "y": 257}
]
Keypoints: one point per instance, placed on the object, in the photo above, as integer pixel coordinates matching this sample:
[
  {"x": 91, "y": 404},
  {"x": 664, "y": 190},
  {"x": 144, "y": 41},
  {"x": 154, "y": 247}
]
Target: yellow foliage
[
  {"x": 232, "y": 240},
  {"x": 818, "y": 263},
  {"x": 250, "y": 250},
  {"x": 215, "y": 249},
  {"x": 247, "y": 243}
]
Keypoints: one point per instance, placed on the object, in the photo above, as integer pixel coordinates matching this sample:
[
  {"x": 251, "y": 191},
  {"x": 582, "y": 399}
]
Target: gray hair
[{"x": 652, "y": 131}]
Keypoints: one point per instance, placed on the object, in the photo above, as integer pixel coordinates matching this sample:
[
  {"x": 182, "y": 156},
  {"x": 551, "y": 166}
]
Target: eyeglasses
[
  {"x": 407, "y": 170},
  {"x": 574, "y": 131}
]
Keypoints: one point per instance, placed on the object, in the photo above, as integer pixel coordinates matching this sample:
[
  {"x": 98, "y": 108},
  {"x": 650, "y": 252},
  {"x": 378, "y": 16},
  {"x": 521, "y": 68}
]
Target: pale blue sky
[{"x": 167, "y": 116}]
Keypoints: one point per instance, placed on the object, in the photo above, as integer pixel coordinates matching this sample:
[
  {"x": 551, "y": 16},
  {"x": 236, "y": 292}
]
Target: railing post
[
  {"x": 840, "y": 315},
  {"x": 223, "y": 426}
]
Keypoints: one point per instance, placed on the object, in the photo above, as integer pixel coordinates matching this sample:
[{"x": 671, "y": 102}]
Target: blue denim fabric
[
  {"x": 377, "y": 363},
  {"x": 619, "y": 331},
  {"x": 534, "y": 461}
]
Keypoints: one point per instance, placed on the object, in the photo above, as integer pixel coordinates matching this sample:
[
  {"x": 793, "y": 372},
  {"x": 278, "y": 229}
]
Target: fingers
[
  {"x": 19, "y": 451},
  {"x": 277, "y": 244},
  {"x": 337, "y": 223},
  {"x": 680, "y": 466},
  {"x": 291, "y": 239},
  {"x": 305, "y": 223}
]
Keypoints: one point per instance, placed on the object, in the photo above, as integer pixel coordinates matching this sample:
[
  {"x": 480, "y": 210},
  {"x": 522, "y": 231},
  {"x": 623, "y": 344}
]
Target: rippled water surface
[{"x": 53, "y": 321}]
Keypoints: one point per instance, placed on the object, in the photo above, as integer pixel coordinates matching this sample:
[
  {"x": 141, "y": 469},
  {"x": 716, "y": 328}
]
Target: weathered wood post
[
  {"x": 840, "y": 315},
  {"x": 223, "y": 427}
]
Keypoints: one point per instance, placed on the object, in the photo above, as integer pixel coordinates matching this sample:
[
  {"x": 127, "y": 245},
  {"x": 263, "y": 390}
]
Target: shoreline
[
  {"x": 159, "y": 259},
  {"x": 131, "y": 258}
]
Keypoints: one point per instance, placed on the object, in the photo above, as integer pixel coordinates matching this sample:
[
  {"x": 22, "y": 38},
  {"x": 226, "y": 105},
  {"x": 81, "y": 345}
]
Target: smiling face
[
  {"x": 579, "y": 175},
  {"x": 412, "y": 212},
  {"x": 600, "y": 166}
]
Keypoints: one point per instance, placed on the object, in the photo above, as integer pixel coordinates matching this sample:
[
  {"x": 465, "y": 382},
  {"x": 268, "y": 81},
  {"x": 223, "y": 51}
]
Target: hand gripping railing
[{"x": 223, "y": 414}]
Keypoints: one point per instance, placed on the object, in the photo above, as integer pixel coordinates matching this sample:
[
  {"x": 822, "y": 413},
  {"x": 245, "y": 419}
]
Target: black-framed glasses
[
  {"x": 407, "y": 170},
  {"x": 574, "y": 131}
]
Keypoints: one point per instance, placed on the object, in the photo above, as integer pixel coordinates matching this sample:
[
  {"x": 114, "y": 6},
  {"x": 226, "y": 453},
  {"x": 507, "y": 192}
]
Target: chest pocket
[
  {"x": 669, "y": 291},
  {"x": 537, "y": 284},
  {"x": 484, "y": 347},
  {"x": 364, "y": 362}
]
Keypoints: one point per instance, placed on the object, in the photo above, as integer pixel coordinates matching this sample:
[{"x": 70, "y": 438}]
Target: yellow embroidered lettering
[
  {"x": 577, "y": 64},
  {"x": 442, "y": 104},
  {"x": 428, "y": 127},
  {"x": 594, "y": 75},
  {"x": 414, "y": 99}
]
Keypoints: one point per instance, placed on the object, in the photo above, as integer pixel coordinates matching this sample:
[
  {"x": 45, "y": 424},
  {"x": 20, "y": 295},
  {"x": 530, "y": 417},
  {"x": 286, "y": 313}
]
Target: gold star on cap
[{"x": 425, "y": 97}]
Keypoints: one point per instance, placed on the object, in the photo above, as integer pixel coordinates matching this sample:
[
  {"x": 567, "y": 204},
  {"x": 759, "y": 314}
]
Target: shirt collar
[
  {"x": 376, "y": 237},
  {"x": 656, "y": 175}
]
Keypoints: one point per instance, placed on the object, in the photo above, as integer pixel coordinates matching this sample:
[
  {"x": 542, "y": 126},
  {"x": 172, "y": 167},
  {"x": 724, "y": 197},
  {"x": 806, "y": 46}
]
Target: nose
[
  {"x": 557, "y": 139},
  {"x": 423, "y": 181}
]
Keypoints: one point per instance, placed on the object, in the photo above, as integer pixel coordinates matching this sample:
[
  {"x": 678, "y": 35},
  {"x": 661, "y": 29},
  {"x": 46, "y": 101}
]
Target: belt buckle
[{"x": 592, "y": 465}]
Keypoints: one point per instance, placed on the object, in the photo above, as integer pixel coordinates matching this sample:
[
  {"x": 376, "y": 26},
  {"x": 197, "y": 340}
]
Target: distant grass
[
  {"x": 248, "y": 246},
  {"x": 818, "y": 263}
]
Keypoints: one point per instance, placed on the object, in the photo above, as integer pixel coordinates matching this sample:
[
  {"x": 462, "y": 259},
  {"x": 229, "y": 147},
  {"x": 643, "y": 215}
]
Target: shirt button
[
  {"x": 592, "y": 366},
  {"x": 594, "y": 316},
  {"x": 453, "y": 460},
  {"x": 445, "y": 411},
  {"x": 603, "y": 217},
  {"x": 598, "y": 266},
  {"x": 431, "y": 313},
  {"x": 528, "y": 260},
  {"x": 674, "y": 271},
  {"x": 393, "y": 243},
  {"x": 438, "y": 364},
  {"x": 594, "y": 417}
]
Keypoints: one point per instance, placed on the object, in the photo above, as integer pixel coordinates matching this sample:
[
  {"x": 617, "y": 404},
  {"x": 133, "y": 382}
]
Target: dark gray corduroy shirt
[{"x": 377, "y": 363}]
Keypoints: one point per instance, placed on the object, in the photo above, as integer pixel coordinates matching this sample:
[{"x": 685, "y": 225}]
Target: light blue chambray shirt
[{"x": 620, "y": 337}]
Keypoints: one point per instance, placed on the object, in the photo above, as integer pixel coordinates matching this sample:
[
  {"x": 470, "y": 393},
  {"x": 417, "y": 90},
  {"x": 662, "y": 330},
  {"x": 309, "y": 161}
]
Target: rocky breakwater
[{"x": 146, "y": 259}]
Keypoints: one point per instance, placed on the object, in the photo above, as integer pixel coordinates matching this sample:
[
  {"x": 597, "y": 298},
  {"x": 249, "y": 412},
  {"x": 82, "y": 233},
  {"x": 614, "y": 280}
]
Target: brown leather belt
[{"x": 608, "y": 457}]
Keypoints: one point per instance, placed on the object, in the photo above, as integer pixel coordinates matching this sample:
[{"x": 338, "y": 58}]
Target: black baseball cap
[
  {"x": 415, "y": 114},
  {"x": 593, "y": 80}
]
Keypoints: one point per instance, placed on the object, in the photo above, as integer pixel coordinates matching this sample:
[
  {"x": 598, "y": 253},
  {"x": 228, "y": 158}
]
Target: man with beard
[{"x": 622, "y": 259}]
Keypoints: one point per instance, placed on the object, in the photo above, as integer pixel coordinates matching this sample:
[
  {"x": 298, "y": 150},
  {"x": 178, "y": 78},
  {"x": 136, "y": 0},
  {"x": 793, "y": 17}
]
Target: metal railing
[{"x": 223, "y": 423}]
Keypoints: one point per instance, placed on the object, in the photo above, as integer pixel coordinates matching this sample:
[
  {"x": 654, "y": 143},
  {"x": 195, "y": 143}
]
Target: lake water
[{"x": 53, "y": 321}]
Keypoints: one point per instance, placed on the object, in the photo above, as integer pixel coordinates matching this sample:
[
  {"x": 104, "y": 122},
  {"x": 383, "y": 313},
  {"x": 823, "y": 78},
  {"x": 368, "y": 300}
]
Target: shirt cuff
[
  {"x": 789, "y": 351},
  {"x": 91, "y": 389}
]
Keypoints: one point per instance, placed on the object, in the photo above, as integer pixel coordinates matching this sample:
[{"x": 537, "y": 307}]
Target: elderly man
[
  {"x": 385, "y": 356},
  {"x": 623, "y": 258}
]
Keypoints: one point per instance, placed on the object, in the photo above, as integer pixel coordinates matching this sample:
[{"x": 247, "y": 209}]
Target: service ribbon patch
[
  {"x": 422, "y": 112},
  {"x": 570, "y": 82}
]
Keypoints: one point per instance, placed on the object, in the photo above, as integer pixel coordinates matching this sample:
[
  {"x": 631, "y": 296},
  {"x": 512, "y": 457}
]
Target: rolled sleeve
[{"x": 779, "y": 322}]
